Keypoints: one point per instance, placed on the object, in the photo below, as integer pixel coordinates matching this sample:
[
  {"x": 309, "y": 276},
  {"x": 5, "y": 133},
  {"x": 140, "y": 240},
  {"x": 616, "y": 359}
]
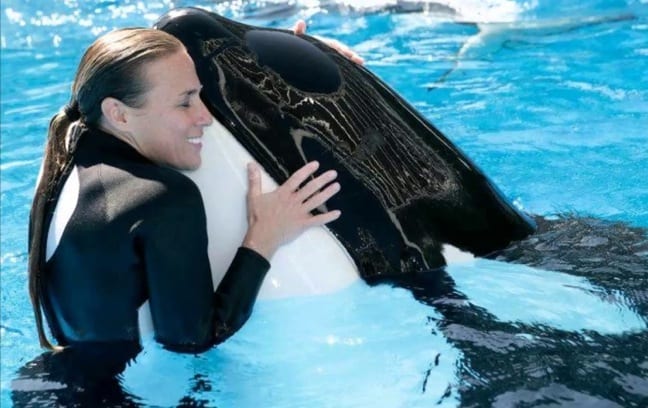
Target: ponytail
[{"x": 57, "y": 159}]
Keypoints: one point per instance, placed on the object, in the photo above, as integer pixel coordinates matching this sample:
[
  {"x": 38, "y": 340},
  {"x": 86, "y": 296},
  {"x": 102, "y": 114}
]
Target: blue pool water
[{"x": 550, "y": 98}]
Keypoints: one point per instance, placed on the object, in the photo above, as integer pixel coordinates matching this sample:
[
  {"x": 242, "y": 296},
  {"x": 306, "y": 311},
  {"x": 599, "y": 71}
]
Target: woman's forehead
[{"x": 174, "y": 74}]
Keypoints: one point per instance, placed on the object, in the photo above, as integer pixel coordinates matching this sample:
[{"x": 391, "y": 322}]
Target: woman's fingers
[
  {"x": 278, "y": 216},
  {"x": 322, "y": 219},
  {"x": 254, "y": 180},
  {"x": 321, "y": 197},
  {"x": 300, "y": 176},
  {"x": 299, "y": 28},
  {"x": 316, "y": 184},
  {"x": 342, "y": 49}
]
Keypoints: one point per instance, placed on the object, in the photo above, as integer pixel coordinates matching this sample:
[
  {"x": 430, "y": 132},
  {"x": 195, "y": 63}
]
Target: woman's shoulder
[
  {"x": 148, "y": 187},
  {"x": 116, "y": 164},
  {"x": 167, "y": 184},
  {"x": 165, "y": 196}
]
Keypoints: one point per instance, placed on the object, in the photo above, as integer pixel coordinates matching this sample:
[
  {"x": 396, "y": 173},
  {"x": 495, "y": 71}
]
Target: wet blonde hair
[{"x": 113, "y": 66}]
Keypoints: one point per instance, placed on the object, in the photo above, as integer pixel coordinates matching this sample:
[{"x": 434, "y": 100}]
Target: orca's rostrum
[{"x": 406, "y": 188}]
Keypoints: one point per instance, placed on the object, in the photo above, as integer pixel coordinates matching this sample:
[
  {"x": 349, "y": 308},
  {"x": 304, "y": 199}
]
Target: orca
[
  {"x": 407, "y": 190},
  {"x": 411, "y": 200}
]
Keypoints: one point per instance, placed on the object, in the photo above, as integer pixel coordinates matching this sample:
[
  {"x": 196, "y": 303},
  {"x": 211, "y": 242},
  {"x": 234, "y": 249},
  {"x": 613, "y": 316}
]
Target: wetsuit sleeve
[
  {"x": 188, "y": 315},
  {"x": 178, "y": 274},
  {"x": 237, "y": 292}
]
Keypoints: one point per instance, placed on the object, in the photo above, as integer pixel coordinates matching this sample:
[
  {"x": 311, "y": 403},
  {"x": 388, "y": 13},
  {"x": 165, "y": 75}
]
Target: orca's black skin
[{"x": 406, "y": 189}]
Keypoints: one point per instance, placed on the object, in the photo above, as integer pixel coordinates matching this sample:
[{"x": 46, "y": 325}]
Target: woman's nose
[{"x": 204, "y": 117}]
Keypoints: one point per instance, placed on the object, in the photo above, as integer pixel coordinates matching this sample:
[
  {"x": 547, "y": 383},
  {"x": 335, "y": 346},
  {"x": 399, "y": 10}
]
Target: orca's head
[{"x": 191, "y": 25}]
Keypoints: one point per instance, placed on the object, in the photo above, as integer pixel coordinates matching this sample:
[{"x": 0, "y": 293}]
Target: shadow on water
[
  {"x": 86, "y": 378},
  {"x": 502, "y": 364},
  {"x": 75, "y": 377}
]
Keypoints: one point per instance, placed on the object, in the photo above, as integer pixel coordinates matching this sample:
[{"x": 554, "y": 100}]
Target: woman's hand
[
  {"x": 300, "y": 29},
  {"x": 279, "y": 216}
]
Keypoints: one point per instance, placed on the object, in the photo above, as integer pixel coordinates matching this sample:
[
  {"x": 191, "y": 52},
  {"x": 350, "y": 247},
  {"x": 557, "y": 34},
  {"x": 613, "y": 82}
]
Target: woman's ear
[{"x": 115, "y": 113}]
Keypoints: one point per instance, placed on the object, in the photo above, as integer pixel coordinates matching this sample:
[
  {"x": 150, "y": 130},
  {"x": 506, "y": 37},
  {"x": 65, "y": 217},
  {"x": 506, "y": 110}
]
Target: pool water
[{"x": 549, "y": 98}]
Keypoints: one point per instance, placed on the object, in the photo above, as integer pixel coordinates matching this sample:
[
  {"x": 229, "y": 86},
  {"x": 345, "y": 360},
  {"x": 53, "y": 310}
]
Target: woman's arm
[
  {"x": 188, "y": 315},
  {"x": 274, "y": 218}
]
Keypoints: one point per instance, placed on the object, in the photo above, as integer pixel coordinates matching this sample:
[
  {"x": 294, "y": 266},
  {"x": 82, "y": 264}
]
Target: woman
[{"x": 114, "y": 224}]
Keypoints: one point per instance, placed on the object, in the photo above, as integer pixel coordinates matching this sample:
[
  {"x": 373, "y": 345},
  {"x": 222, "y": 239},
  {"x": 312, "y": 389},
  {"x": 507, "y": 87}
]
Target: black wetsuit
[{"x": 138, "y": 232}]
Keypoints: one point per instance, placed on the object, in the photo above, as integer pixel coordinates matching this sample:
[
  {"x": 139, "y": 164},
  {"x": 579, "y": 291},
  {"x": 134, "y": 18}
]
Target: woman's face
[{"x": 168, "y": 128}]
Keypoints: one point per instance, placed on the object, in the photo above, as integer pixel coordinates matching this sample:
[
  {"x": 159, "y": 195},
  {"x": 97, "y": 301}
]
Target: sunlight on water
[
  {"x": 353, "y": 348},
  {"x": 517, "y": 293}
]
